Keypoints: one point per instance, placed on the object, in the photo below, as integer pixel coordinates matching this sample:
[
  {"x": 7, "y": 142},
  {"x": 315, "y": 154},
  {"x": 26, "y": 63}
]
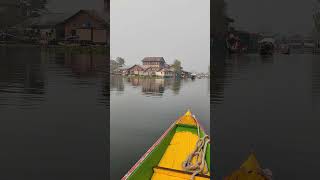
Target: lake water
[
  {"x": 270, "y": 105},
  {"x": 142, "y": 109},
  {"x": 53, "y": 108},
  {"x": 54, "y": 114}
]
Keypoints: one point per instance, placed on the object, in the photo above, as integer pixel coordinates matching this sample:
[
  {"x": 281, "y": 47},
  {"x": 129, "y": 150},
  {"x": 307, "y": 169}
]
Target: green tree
[
  {"x": 177, "y": 67},
  {"x": 16, "y": 11},
  {"x": 113, "y": 66},
  {"x": 120, "y": 61}
]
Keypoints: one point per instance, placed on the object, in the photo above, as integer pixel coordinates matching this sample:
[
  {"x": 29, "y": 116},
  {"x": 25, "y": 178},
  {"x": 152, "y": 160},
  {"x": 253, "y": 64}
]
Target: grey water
[
  {"x": 141, "y": 109},
  {"x": 269, "y": 105},
  {"x": 53, "y": 114}
]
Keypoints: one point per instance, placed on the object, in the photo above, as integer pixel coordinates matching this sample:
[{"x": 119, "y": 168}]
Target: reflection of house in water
[
  {"x": 176, "y": 85},
  {"x": 116, "y": 83},
  {"x": 153, "y": 86},
  {"x": 19, "y": 75},
  {"x": 135, "y": 81},
  {"x": 26, "y": 74},
  {"x": 220, "y": 77},
  {"x": 85, "y": 64},
  {"x": 267, "y": 59}
]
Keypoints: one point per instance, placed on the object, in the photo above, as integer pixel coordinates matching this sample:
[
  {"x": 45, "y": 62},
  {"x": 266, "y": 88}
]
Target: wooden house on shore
[
  {"x": 83, "y": 26},
  {"x": 151, "y": 66},
  {"x": 135, "y": 70},
  {"x": 157, "y": 62}
]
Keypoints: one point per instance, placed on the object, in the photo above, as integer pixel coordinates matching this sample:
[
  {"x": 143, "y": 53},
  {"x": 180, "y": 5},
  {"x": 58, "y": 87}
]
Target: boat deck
[
  {"x": 163, "y": 161},
  {"x": 170, "y": 166}
]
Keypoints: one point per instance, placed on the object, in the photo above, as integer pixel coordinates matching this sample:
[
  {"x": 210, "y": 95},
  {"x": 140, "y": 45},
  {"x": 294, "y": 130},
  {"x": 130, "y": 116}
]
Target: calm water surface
[
  {"x": 270, "y": 105},
  {"x": 142, "y": 109},
  {"x": 53, "y": 115}
]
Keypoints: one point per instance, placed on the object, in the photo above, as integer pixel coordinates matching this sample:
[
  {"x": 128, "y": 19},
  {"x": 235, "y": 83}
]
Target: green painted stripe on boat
[
  {"x": 182, "y": 128},
  {"x": 145, "y": 170}
]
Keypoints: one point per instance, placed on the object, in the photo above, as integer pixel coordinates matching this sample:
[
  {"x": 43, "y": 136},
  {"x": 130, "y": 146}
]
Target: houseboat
[{"x": 193, "y": 75}]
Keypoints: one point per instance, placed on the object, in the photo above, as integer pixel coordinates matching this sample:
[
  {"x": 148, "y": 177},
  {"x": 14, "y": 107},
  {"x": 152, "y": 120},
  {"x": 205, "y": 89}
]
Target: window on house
[{"x": 87, "y": 24}]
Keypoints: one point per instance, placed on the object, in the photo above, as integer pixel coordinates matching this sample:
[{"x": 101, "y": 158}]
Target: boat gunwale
[{"x": 145, "y": 155}]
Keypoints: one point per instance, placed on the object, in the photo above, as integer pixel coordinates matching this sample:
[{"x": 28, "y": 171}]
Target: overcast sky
[
  {"x": 284, "y": 16},
  {"x": 173, "y": 29}
]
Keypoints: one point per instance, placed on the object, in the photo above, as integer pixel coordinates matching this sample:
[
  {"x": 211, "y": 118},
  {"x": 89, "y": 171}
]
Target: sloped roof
[
  {"x": 52, "y": 19},
  {"x": 93, "y": 13},
  {"x": 124, "y": 67},
  {"x": 152, "y": 69},
  {"x": 49, "y": 19},
  {"x": 137, "y": 66},
  {"x": 154, "y": 59},
  {"x": 164, "y": 69}
]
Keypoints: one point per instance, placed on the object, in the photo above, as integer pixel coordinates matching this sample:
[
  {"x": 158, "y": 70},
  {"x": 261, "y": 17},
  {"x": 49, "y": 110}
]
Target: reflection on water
[
  {"x": 315, "y": 83},
  {"x": 21, "y": 83},
  {"x": 116, "y": 84},
  {"x": 153, "y": 87},
  {"x": 47, "y": 101},
  {"x": 148, "y": 86},
  {"x": 269, "y": 104},
  {"x": 143, "y": 108}
]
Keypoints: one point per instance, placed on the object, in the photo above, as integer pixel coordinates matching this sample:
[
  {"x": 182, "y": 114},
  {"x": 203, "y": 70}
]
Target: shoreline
[{"x": 97, "y": 49}]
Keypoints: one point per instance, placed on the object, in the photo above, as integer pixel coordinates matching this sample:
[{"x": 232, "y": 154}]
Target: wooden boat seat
[{"x": 162, "y": 173}]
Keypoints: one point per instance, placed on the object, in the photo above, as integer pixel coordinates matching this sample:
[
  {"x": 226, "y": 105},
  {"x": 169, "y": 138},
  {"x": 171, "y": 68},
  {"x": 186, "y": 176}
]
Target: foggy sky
[
  {"x": 173, "y": 29},
  {"x": 284, "y": 16}
]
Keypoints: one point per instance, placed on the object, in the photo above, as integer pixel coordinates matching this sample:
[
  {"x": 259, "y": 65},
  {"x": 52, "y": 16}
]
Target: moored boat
[
  {"x": 193, "y": 76},
  {"x": 173, "y": 155},
  {"x": 250, "y": 170}
]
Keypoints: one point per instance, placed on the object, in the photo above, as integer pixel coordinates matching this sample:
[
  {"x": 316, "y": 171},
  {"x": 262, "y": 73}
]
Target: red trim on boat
[{"x": 147, "y": 153}]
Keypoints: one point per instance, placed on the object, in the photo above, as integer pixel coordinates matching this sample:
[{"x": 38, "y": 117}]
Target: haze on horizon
[
  {"x": 173, "y": 29},
  {"x": 278, "y": 16}
]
